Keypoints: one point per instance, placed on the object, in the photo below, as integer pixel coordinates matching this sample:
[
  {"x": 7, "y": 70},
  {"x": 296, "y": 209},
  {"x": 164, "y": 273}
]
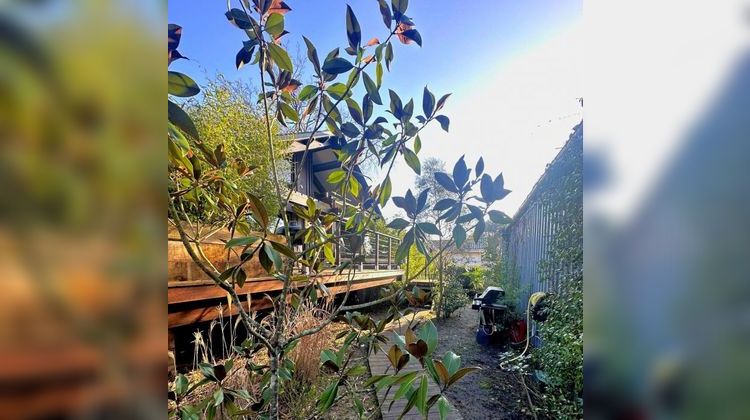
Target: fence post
[{"x": 377, "y": 250}]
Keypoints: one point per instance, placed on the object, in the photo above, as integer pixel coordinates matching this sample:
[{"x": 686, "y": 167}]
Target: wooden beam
[
  {"x": 317, "y": 184},
  {"x": 326, "y": 166},
  {"x": 192, "y": 316},
  {"x": 207, "y": 291}
]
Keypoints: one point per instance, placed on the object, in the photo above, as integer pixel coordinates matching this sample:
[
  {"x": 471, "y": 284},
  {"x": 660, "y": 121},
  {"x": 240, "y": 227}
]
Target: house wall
[{"x": 304, "y": 183}]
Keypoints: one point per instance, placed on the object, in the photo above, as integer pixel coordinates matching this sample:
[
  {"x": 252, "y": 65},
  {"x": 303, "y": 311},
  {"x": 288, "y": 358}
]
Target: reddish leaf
[
  {"x": 373, "y": 41},
  {"x": 402, "y": 361},
  {"x": 280, "y": 7},
  {"x": 292, "y": 86},
  {"x": 418, "y": 349},
  {"x": 401, "y": 29}
]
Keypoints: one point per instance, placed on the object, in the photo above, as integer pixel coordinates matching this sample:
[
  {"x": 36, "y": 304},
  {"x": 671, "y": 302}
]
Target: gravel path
[{"x": 487, "y": 394}]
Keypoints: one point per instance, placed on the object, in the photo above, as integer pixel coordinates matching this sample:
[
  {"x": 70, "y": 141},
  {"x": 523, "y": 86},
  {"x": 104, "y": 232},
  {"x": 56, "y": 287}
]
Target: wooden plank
[
  {"x": 380, "y": 365},
  {"x": 211, "y": 310},
  {"x": 208, "y": 290}
]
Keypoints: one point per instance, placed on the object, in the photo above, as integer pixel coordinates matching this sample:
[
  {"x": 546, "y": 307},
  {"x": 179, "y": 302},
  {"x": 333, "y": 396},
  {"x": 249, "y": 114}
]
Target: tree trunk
[{"x": 441, "y": 288}]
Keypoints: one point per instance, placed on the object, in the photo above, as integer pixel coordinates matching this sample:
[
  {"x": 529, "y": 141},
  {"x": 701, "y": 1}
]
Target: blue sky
[{"x": 513, "y": 68}]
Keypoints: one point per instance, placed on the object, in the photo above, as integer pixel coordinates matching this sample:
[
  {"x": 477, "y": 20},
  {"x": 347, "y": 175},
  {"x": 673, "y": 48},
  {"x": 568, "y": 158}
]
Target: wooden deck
[
  {"x": 197, "y": 301},
  {"x": 379, "y": 365}
]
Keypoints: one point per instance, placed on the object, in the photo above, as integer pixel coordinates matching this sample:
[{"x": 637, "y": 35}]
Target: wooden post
[
  {"x": 337, "y": 230},
  {"x": 377, "y": 250},
  {"x": 389, "y": 252}
]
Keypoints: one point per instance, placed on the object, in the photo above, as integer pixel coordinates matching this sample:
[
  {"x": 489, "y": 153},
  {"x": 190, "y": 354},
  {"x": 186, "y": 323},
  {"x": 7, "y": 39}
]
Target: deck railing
[{"x": 374, "y": 251}]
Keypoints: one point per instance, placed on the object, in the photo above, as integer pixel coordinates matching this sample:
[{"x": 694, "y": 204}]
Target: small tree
[
  {"x": 427, "y": 181},
  {"x": 390, "y": 136}
]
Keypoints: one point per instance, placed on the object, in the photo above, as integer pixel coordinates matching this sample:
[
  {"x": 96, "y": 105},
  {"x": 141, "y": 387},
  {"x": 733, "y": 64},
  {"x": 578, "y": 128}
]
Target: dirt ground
[{"x": 486, "y": 394}]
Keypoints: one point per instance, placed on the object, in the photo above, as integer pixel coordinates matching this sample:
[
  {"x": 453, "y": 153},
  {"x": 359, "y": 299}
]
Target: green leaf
[
  {"x": 283, "y": 249},
  {"x": 312, "y": 55},
  {"x": 355, "y": 111},
  {"x": 421, "y": 401},
  {"x": 445, "y": 181},
  {"x": 412, "y": 399},
  {"x": 486, "y": 187},
  {"x": 181, "y": 119},
  {"x": 372, "y": 89},
  {"x": 307, "y": 92},
  {"x": 239, "y": 276},
  {"x": 396, "y": 106},
  {"x": 239, "y": 18},
  {"x": 412, "y": 160},
  {"x": 244, "y": 56},
  {"x": 405, "y": 385},
  {"x": 443, "y": 407},
  {"x": 430, "y": 228},
  {"x": 452, "y": 362},
  {"x": 428, "y": 102},
  {"x": 385, "y": 12},
  {"x": 337, "y": 65},
  {"x": 479, "y": 168},
  {"x": 259, "y": 210},
  {"x": 336, "y": 177},
  {"x": 353, "y": 31},
  {"x": 441, "y": 102},
  {"x": 444, "y": 122},
  {"x": 460, "y": 374},
  {"x": 280, "y": 57},
  {"x": 272, "y": 255},
  {"x": 181, "y": 85},
  {"x": 328, "y": 397},
  {"x": 459, "y": 235},
  {"x": 328, "y": 254},
  {"x": 429, "y": 334},
  {"x": 460, "y": 173},
  {"x": 329, "y": 358},
  {"x": 289, "y": 112},
  {"x": 479, "y": 230},
  {"x": 499, "y": 217},
  {"x": 388, "y": 56},
  {"x": 403, "y": 248},
  {"x": 218, "y": 397},
  {"x": 385, "y": 193},
  {"x": 379, "y": 74},
  {"x": 356, "y": 371},
  {"x": 398, "y": 224},
  {"x": 275, "y": 24},
  {"x": 417, "y": 145},
  {"x": 241, "y": 241},
  {"x": 374, "y": 379},
  {"x": 181, "y": 385},
  {"x": 400, "y": 6},
  {"x": 338, "y": 90},
  {"x": 350, "y": 130}
]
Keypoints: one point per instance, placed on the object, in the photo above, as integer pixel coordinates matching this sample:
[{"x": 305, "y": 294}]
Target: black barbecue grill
[{"x": 492, "y": 315}]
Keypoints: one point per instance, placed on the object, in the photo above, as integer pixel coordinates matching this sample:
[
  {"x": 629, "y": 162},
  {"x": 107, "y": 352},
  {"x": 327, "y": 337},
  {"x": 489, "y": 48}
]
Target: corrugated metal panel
[{"x": 528, "y": 238}]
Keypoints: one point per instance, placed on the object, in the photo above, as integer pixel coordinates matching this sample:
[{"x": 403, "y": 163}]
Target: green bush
[
  {"x": 455, "y": 296},
  {"x": 561, "y": 356}
]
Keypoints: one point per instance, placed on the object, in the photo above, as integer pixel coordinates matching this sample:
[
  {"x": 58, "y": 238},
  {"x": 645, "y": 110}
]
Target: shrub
[{"x": 455, "y": 296}]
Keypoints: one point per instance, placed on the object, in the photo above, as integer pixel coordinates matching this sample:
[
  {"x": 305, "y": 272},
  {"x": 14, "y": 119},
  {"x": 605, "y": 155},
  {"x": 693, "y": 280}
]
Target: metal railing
[{"x": 374, "y": 251}]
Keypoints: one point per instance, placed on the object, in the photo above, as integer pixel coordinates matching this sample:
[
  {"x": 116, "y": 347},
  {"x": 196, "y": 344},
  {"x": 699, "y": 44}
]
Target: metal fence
[
  {"x": 375, "y": 251},
  {"x": 526, "y": 241}
]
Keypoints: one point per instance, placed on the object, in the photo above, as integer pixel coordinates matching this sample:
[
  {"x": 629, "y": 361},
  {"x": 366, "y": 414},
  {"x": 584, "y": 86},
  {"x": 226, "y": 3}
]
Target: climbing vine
[{"x": 561, "y": 355}]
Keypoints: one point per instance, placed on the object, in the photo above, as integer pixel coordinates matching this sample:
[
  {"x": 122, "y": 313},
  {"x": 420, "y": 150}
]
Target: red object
[{"x": 518, "y": 332}]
